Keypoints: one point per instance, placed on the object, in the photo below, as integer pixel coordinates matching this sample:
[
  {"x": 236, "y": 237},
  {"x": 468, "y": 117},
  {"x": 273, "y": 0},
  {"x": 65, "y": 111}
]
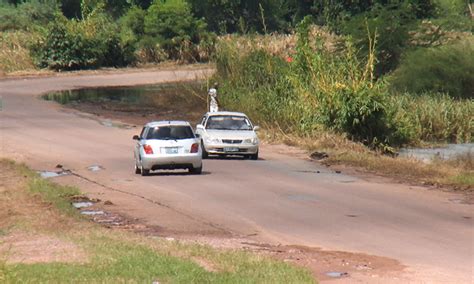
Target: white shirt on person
[{"x": 213, "y": 106}]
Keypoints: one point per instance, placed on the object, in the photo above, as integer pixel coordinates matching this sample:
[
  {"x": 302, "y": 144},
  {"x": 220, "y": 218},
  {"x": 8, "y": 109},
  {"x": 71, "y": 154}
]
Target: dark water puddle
[
  {"x": 137, "y": 95},
  {"x": 167, "y": 101}
]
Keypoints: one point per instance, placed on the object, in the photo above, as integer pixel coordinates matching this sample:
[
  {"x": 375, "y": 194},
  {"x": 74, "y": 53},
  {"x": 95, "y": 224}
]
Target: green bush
[
  {"x": 390, "y": 24},
  {"x": 167, "y": 30},
  {"x": 134, "y": 20},
  {"x": 453, "y": 15},
  {"x": 448, "y": 69},
  {"x": 63, "y": 50},
  {"x": 90, "y": 43},
  {"x": 27, "y": 15},
  {"x": 175, "y": 30}
]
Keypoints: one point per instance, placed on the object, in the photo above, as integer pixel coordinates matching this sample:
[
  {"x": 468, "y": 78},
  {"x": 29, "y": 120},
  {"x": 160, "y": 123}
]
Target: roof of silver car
[
  {"x": 226, "y": 113},
  {"x": 167, "y": 122}
]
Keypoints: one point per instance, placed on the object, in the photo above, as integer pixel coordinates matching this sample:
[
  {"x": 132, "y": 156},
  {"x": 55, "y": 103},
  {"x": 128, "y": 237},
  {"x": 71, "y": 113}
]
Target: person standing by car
[{"x": 213, "y": 101}]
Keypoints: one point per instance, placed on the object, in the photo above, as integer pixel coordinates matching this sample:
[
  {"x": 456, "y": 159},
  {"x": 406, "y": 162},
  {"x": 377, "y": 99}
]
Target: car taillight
[
  {"x": 195, "y": 148},
  {"x": 148, "y": 150}
]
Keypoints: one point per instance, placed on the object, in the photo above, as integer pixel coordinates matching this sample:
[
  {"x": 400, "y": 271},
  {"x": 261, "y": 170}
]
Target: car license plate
[
  {"x": 172, "y": 150},
  {"x": 231, "y": 149}
]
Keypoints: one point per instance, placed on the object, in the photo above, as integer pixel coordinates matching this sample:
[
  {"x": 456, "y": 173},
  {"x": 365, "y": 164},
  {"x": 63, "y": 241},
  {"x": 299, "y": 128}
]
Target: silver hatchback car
[{"x": 167, "y": 145}]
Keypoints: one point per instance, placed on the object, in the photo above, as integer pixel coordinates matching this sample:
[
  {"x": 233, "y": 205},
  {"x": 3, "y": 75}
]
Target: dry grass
[
  {"x": 457, "y": 173},
  {"x": 14, "y": 52},
  {"x": 283, "y": 45},
  {"x": 465, "y": 161}
]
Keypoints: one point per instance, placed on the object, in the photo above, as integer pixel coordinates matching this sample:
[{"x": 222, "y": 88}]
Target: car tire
[
  {"x": 196, "y": 171},
  {"x": 137, "y": 169},
  {"x": 254, "y": 156},
  {"x": 205, "y": 155},
  {"x": 144, "y": 171}
]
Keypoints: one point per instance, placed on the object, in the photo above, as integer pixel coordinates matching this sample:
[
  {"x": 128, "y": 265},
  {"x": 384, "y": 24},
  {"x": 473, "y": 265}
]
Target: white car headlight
[
  {"x": 253, "y": 141},
  {"x": 210, "y": 140}
]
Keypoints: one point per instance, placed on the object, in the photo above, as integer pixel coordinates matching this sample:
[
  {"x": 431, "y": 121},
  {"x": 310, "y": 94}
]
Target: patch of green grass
[
  {"x": 116, "y": 261},
  {"x": 463, "y": 179},
  {"x": 113, "y": 256},
  {"x": 55, "y": 194}
]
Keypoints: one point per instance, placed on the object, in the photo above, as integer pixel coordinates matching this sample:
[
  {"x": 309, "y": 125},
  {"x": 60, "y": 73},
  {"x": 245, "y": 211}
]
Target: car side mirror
[
  {"x": 136, "y": 137},
  {"x": 256, "y": 128},
  {"x": 200, "y": 127}
]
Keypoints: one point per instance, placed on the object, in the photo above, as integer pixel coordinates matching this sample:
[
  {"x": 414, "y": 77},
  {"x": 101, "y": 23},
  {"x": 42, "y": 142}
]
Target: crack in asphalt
[{"x": 212, "y": 225}]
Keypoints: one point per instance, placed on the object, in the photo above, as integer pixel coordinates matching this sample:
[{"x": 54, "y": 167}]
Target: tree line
[{"x": 77, "y": 34}]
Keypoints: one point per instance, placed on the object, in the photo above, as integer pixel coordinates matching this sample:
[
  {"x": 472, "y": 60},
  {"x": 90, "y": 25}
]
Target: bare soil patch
[
  {"x": 24, "y": 247},
  {"x": 25, "y": 221}
]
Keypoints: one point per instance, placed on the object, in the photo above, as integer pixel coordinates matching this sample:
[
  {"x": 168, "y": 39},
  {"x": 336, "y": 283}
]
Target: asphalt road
[{"x": 280, "y": 198}]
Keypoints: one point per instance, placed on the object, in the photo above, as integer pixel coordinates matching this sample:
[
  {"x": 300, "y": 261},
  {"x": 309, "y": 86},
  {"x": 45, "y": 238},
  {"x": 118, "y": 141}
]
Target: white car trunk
[{"x": 171, "y": 147}]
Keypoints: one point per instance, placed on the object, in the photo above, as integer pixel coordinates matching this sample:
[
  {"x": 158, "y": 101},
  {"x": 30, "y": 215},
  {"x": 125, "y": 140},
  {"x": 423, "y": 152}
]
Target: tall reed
[
  {"x": 311, "y": 87},
  {"x": 435, "y": 117}
]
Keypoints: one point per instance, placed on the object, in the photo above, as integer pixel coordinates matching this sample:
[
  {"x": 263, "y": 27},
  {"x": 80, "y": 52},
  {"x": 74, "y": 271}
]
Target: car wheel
[
  {"x": 196, "y": 171},
  {"x": 254, "y": 156},
  {"x": 137, "y": 169},
  {"x": 205, "y": 155},
  {"x": 144, "y": 171}
]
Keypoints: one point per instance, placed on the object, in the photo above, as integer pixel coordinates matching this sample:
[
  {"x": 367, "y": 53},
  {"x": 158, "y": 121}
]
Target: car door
[
  {"x": 202, "y": 122},
  {"x": 138, "y": 143}
]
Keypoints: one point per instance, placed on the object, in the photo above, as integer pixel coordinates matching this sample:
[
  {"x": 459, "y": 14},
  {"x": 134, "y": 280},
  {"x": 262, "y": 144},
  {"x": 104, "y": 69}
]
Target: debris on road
[
  {"x": 92, "y": 212},
  {"x": 95, "y": 168},
  {"x": 335, "y": 274},
  {"x": 79, "y": 205},
  {"x": 319, "y": 155},
  {"x": 51, "y": 174},
  {"x": 352, "y": 215}
]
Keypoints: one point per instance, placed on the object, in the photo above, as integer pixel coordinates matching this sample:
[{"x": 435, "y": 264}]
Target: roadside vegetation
[
  {"x": 320, "y": 90},
  {"x": 44, "y": 239}
]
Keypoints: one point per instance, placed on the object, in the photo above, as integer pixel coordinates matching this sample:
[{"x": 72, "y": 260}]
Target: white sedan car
[
  {"x": 228, "y": 133},
  {"x": 167, "y": 145}
]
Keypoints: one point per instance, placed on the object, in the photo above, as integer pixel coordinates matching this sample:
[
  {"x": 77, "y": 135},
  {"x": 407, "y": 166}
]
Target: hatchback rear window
[{"x": 170, "y": 133}]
